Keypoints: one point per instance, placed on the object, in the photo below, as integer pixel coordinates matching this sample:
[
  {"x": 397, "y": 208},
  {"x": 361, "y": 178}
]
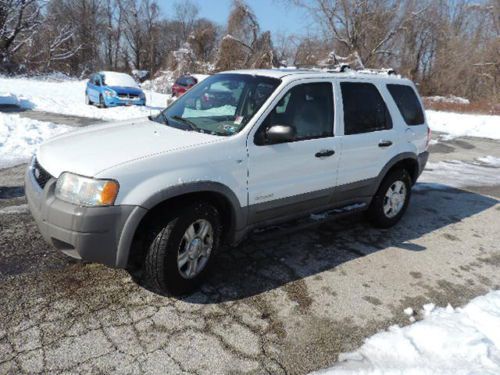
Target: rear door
[
  {"x": 369, "y": 139},
  {"x": 291, "y": 178}
]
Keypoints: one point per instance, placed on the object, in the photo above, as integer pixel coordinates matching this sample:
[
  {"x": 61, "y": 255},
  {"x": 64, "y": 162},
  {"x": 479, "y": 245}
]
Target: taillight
[{"x": 429, "y": 135}]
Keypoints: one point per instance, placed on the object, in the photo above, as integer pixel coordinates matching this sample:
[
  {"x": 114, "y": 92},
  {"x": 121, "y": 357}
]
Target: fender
[
  {"x": 238, "y": 217},
  {"x": 391, "y": 163}
]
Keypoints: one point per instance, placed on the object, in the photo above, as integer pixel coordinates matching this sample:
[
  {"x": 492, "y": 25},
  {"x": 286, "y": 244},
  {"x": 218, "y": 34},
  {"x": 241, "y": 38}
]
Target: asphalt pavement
[{"x": 285, "y": 305}]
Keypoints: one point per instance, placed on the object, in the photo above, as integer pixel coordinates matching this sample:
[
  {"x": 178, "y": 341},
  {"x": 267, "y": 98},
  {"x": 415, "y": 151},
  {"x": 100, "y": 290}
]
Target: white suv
[{"x": 241, "y": 150}]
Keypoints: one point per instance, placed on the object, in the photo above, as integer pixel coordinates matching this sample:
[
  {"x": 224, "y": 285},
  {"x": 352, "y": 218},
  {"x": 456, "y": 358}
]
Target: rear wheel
[
  {"x": 182, "y": 247},
  {"x": 391, "y": 200}
]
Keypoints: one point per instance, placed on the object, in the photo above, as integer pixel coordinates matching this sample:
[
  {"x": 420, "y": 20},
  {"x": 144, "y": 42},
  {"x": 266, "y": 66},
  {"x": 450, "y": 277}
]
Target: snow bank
[
  {"x": 447, "y": 99},
  {"x": 162, "y": 83},
  {"x": 447, "y": 341},
  {"x": 19, "y": 137},
  {"x": 68, "y": 97},
  {"x": 460, "y": 125}
]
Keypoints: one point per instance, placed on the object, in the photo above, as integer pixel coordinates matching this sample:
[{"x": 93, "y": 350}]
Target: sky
[{"x": 273, "y": 15}]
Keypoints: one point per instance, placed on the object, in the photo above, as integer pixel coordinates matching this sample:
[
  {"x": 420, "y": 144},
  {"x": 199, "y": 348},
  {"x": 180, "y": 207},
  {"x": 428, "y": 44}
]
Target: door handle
[
  {"x": 324, "y": 153},
  {"x": 385, "y": 143}
]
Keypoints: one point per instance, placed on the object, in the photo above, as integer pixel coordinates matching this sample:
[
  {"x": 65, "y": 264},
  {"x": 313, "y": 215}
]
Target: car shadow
[
  {"x": 259, "y": 266},
  {"x": 10, "y": 192},
  {"x": 22, "y": 106}
]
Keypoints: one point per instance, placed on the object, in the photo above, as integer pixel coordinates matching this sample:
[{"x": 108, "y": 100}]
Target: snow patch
[
  {"x": 20, "y": 137},
  {"x": 460, "y": 125},
  {"x": 9, "y": 210},
  {"x": 460, "y": 174},
  {"x": 489, "y": 160},
  {"x": 119, "y": 79},
  {"x": 447, "y": 341}
]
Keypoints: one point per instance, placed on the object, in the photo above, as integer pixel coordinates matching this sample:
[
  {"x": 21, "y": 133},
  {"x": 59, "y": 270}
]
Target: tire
[
  {"x": 102, "y": 103},
  {"x": 167, "y": 243},
  {"x": 384, "y": 212}
]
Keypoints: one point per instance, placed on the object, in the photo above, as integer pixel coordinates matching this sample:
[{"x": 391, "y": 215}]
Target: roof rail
[
  {"x": 345, "y": 68},
  {"x": 388, "y": 71},
  {"x": 342, "y": 68}
]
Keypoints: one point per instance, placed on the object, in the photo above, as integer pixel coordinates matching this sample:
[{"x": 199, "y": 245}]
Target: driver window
[{"x": 308, "y": 108}]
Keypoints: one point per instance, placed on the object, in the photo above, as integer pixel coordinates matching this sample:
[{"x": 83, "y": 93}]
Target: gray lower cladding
[
  {"x": 95, "y": 234},
  {"x": 284, "y": 209}
]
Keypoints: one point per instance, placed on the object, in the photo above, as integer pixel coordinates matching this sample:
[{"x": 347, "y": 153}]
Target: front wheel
[
  {"x": 182, "y": 247},
  {"x": 102, "y": 103},
  {"x": 391, "y": 200}
]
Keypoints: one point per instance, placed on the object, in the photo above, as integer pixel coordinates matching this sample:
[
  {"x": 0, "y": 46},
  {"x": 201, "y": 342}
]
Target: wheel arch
[
  {"x": 232, "y": 215},
  {"x": 407, "y": 161}
]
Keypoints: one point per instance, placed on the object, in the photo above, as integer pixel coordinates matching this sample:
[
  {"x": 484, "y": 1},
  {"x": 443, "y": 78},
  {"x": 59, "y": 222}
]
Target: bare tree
[
  {"x": 186, "y": 13},
  {"x": 244, "y": 45},
  {"x": 19, "y": 20},
  {"x": 368, "y": 27}
]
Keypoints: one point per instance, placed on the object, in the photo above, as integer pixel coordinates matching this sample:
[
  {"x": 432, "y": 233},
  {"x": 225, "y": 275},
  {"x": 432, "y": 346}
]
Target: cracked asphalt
[{"x": 285, "y": 304}]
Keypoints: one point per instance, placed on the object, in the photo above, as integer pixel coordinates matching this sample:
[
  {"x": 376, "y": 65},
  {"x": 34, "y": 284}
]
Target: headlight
[
  {"x": 84, "y": 191},
  {"x": 109, "y": 93}
]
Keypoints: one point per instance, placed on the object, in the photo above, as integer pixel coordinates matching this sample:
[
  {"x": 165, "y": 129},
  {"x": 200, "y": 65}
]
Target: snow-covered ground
[
  {"x": 447, "y": 340},
  {"x": 484, "y": 171},
  {"x": 460, "y": 125},
  {"x": 68, "y": 97},
  {"x": 19, "y": 137}
]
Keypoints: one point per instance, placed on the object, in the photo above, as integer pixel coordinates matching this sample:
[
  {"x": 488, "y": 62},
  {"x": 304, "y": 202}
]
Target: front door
[{"x": 291, "y": 178}]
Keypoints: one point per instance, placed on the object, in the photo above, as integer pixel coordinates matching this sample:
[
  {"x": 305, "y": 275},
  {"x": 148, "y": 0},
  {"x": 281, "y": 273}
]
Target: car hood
[
  {"x": 120, "y": 90},
  {"x": 99, "y": 147}
]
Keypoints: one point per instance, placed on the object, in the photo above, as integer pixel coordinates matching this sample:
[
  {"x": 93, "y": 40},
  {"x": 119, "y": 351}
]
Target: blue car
[{"x": 110, "y": 89}]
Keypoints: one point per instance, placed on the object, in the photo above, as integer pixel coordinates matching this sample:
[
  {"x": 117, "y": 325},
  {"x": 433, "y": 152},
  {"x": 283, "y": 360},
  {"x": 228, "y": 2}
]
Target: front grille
[
  {"x": 40, "y": 174},
  {"x": 128, "y": 96}
]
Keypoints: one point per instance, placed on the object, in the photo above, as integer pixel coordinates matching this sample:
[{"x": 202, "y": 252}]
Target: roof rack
[
  {"x": 388, "y": 71},
  {"x": 345, "y": 68}
]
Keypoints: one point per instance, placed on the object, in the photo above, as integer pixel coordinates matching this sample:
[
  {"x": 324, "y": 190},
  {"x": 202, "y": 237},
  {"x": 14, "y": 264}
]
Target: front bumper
[
  {"x": 94, "y": 234},
  {"x": 113, "y": 101}
]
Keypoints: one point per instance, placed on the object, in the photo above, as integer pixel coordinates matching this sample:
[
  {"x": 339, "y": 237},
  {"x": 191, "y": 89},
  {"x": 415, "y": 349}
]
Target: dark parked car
[{"x": 184, "y": 83}]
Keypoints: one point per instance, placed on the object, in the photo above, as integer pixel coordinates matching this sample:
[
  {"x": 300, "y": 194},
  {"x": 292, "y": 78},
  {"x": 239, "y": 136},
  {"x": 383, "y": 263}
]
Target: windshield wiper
[
  {"x": 191, "y": 124},
  {"x": 161, "y": 119}
]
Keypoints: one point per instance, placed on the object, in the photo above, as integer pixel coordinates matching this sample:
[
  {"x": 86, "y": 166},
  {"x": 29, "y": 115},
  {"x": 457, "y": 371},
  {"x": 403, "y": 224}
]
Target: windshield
[
  {"x": 221, "y": 104},
  {"x": 118, "y": 79}
]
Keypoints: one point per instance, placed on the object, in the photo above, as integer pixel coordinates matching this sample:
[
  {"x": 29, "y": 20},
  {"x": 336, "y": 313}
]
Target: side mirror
[{"x": 280, "y": 134}]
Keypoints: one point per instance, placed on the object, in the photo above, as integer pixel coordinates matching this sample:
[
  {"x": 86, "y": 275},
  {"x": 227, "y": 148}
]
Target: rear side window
[
  {"x": 364, "y": 109},
  {"x": 407, "y": 103}
]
